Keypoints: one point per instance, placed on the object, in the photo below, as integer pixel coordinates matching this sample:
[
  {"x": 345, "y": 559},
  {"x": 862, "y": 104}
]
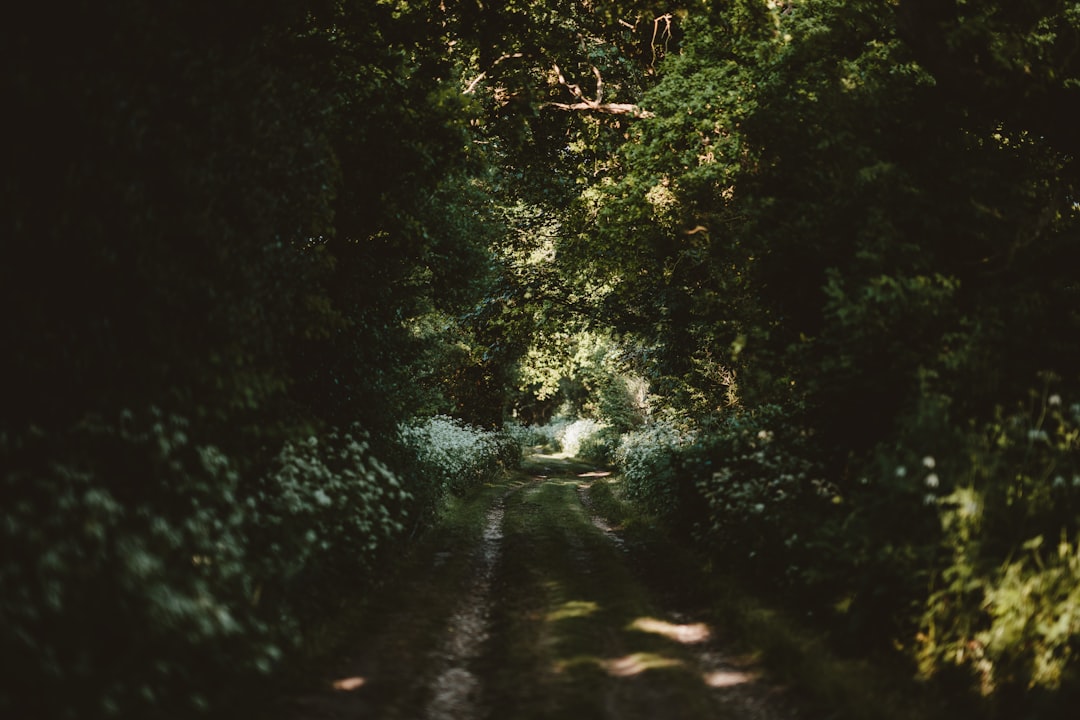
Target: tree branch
[
  {"x": 598, "y": 105},
  {"x": 471, "y": 87}
]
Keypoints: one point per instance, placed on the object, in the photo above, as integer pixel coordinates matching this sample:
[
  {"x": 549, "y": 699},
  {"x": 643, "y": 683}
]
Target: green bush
[
  {"x": 142, "y": 577},
  {"x": 125, "y": 586},
  {"x": 452, "y": 456},
  {"x": 600, "y": 446},
  {"x": 1004, "y": 604},
  {"x": 648, "y": 459}
]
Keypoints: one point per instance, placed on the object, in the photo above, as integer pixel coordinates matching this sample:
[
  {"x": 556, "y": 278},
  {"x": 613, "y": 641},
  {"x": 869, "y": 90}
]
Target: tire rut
[{"x": 456, "y": 688}]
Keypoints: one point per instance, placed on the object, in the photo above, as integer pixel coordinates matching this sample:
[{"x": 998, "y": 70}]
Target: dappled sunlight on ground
[
  {"x": 637, "y": 663},
  {"x": 348, "y": 684},
  {"x": 573, "y": 609},
  {"x": 687, "y": 634},
  {"x": 729, "y": 678},
  {"x": 552, "y": 456},
  {"x": 621, "y": 667}
]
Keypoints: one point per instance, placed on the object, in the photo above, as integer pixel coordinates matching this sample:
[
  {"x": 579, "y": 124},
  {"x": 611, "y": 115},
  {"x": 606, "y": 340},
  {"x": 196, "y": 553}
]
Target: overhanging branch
[{"x": 586, "y": 104}]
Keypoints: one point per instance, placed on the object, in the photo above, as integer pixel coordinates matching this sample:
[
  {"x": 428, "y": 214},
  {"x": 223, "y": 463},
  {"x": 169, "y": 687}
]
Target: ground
[{"x": 533, "y": 600}]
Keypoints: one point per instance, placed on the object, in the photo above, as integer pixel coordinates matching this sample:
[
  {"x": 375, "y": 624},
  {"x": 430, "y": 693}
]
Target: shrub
[
  {"x": 125, "y": 589},
  {"x": 578, "y": 433},
  {"x": 452, "y": 456},
  {"x": 141, "y": 578},
  {"x": 526, "y": 436},
  {"x": 552, "y": 433},
  {"x": 759, "y": 489},
  {"x": 1005, "y": 603},
  {"x": 327, "y": 505},
  {"x": 601, "y": 446},
  {"x": 648, "y": 460}
]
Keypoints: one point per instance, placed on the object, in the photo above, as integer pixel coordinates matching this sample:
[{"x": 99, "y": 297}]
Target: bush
[
  {"x": 648, "y": 460},
  {"x": 141, "y": 578},
  {"x": 577, "y": 434},
  {"x": 551, "y": 434},
  {"x": 526, "y": 436},
  {"x": 601, "y": 446},
  {"x": 327, "y": 505},
  {"x": 1005, "y": 604},
  {"x": 762, "y": 495},
  {"x": 125, "y": 586},
  {"x": 453, "y": 457}
]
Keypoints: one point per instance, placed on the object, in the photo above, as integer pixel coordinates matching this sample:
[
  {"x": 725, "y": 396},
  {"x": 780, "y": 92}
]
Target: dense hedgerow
[
  {"x": 648, "y": 460},
  {"x": 141, "y": 576},
  {"x": 452, "y": 456},
  {"x": 959, "y": 542}
]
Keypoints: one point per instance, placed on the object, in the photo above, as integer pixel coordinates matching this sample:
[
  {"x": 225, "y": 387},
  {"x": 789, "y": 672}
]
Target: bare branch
[
  {"x": 606, "y": 108},
  {"x": 471, "y": 87},
  {"x": 598, "y": 105}
]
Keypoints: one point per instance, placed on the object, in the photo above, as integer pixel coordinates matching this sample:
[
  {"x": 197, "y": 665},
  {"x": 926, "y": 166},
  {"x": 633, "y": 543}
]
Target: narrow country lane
[{"x": 534, "y": 607}]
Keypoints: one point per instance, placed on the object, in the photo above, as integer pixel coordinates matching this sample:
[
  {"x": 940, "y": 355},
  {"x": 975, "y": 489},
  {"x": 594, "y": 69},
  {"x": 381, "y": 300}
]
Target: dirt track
[{"x": 543, "y": 610}]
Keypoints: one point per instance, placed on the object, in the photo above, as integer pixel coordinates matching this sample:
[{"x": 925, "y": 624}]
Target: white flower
[
  {"x": 1059, "y": 482},
  {"x": 932, "y": 480},
  {"x": 928, "y": 462},
  {"x": 1054, "y": 400},
  {"x": 901, "y": 471}
]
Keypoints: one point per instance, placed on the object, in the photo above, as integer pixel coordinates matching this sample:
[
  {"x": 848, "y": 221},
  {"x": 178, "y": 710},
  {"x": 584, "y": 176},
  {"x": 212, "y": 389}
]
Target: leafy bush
[
  {"x": 526, "y": 436},
  {"x": 601, "y": 446},
  {"x": 552, "y": 433},
  {"x": 579, "y": 433},
  {"x": 125, "y": 589},
  {"x": 143, "y": 578},
  {"x": 1005, "y": 603},
  {"x": 648, "y": 460},
  {"x": 327, "y": 504},
  {"x": 453, "y": 456},
  {"x": 759, "y": 489}
]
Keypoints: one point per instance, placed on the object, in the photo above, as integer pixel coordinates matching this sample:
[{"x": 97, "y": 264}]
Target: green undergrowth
[{"x": 795, "y": 651}]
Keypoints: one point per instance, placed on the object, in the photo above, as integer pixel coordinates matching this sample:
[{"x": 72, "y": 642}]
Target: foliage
[
  {"x": 325, "y": 510},
  {"x": 142, "y": 575},
  {"x": 648, "y": 460},
  {"x": 1004, "y": 605},
  {"x": 578, "y": 433},
  {"x": 453, "y": 456}
]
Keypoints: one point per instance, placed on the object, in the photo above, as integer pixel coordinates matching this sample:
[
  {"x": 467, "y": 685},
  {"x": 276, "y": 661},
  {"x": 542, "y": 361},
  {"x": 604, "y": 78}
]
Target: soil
[{"x": 530, "y": 603}]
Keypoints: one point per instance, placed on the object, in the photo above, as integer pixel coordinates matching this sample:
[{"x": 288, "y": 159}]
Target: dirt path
[{"x": 534, "y": 607}]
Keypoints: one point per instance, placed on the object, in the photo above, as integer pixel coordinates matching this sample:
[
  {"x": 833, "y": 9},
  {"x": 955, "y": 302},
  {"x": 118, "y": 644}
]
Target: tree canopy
[{"x": 844, "y": 233}]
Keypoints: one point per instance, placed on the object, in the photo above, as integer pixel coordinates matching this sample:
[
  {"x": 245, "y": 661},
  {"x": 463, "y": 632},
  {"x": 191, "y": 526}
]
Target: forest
[{"x": 288, "y": 281}]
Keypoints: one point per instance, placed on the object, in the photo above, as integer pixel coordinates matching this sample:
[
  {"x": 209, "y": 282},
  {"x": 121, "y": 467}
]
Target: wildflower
[
  {"x": 928, "y": 462},
  {"x": 901, "y": 471},
  {"x": 932, "y": 480},
  {"x": 929, "y": 499},
  {"x": 1054, "y": 400},
  {"x": 1059, "y": 482}
]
